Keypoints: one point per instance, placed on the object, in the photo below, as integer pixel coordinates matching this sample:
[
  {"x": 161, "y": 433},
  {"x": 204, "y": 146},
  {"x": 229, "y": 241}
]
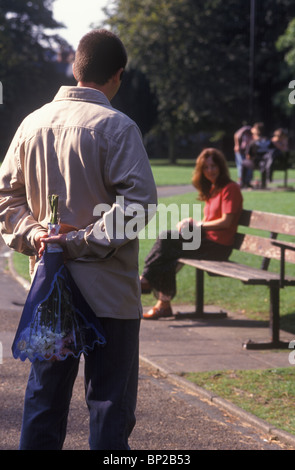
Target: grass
[
  {"x": 268, "y": 394},
  {"x": 172, "y": 175},
  {"x": 181, "y": 173},
  {"x": 21, "y": 265}
]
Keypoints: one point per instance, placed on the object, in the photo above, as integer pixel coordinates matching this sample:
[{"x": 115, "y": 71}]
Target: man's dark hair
[{"x": 100, "y": 54}]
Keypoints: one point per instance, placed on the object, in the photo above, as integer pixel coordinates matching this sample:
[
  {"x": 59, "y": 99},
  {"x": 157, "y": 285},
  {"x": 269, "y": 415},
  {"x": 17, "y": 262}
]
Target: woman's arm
[{"x": 224, "y": 222}]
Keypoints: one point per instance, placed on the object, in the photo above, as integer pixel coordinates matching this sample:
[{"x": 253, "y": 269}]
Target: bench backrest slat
[
  {"x": 278, "y": 223},
  {"x": 262, "y": 245}
]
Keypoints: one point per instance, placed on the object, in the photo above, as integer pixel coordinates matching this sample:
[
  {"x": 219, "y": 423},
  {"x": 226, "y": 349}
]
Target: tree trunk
[{"x": 171, "y": 148}]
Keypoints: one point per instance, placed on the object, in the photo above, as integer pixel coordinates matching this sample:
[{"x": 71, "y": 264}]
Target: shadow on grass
[
  {"x": 287, "y": 322},
  {"x": 227, "y": 323}
]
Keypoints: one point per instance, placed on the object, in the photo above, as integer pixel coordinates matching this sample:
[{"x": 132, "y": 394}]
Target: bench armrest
[{"x": 283, "y": 246}]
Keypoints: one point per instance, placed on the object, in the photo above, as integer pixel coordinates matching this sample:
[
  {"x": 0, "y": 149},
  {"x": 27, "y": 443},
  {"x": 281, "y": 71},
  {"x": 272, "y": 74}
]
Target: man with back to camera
[{"x": 82, "y": 149}]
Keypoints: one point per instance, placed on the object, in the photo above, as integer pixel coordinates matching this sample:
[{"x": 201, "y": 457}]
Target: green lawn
[
  {"x": 181, "y": 173},
  {"x": 268, "y": 394}
]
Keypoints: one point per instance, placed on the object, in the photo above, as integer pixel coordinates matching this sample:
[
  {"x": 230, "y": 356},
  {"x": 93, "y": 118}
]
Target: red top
[{"x": 229, "y": 200}]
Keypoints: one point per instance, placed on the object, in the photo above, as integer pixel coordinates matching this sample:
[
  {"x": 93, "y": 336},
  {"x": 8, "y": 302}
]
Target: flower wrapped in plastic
[{"x": 56, "y": 321}]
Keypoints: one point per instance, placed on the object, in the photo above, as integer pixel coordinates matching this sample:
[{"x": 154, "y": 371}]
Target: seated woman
[
  {"x": 223, "y": 206},
  {"x": 277, "y": 153}
]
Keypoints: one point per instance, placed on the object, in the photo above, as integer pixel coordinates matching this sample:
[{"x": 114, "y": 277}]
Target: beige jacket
[{"x": 82, "y": 149}]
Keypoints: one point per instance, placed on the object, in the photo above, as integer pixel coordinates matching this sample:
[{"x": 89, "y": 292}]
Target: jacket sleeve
[
  {"x": 129, "y": 177},
  {"x": 17, "y": 225}
]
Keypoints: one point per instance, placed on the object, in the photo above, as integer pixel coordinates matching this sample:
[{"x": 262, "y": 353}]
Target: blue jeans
[
  {"x": 245, "y": 175},
  {"x": 239, "y": 160},
  {"x": 111, "y": 379}
]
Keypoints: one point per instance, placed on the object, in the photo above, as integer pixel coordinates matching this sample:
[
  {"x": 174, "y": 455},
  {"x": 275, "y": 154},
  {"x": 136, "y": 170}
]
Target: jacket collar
[{"x": 76, "y": 93}]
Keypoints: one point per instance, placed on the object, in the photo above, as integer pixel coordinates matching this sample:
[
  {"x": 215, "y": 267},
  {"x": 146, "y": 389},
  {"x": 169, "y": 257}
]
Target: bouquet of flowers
[{"x": 56, "y": 321}]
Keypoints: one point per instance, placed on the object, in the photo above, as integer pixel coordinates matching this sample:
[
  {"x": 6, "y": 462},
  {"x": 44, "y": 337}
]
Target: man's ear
[
  {"x": 119, "y": 74},
  {"x": 73, "y": 70}
]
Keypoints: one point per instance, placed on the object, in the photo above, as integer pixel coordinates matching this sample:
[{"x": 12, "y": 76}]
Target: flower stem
[{"x": 53, "y": 201}]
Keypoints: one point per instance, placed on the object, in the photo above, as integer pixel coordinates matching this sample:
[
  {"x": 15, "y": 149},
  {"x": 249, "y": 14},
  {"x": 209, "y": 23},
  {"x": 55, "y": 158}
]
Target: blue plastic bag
[{"x": 56, "y": 321}]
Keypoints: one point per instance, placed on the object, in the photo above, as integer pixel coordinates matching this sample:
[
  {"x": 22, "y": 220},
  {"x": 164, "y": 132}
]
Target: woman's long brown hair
[{"x": 202, "y": 184}]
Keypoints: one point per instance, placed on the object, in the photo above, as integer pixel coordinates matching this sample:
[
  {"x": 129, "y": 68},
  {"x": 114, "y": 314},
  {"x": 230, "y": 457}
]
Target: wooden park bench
[
  {"x": 283, "y": 163},
  {"x": 267, "y": 247}
]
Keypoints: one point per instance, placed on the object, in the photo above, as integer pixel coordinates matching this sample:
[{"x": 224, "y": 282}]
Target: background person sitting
[
  {"x": 223, "y": 206},
  {"x": 277, "y": 153}
]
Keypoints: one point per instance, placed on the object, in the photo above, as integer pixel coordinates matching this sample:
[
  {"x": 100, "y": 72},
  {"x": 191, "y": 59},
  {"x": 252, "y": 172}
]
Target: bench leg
[
  {"x": 199, "y": 311},
  {"x": 200, "y": 300},
  {"x": 199, "y": 293},
  {"x": 274, "y": 313},
  {"x": 274, "y": 323}
]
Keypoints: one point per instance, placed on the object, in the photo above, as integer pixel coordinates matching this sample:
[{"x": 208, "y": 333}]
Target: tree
[
  {"x": 286, "y": 45},
  {"x": 136, "y": 99},
  {"x": 27, "y": 72},
  {"x": 189, "y": 60},
  {"x": 271, "y": 75},
  {"x": 196, "y": 58}
]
